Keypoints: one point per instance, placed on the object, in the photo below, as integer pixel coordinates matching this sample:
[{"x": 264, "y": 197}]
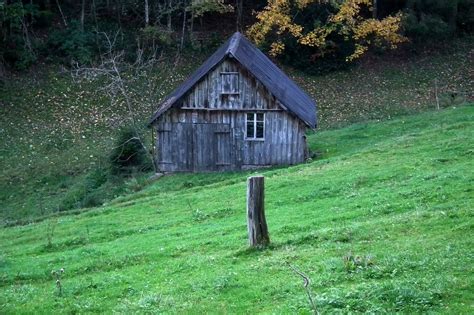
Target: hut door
[
  {"x": 211, "y": 147},
  {"x": 194, "y": 147},
  {"x": 204, "y": 147},
  {"x": 223, "y": 147},
  {"x": 183, "y": 146},
  {"x": 175, "y": 147}
]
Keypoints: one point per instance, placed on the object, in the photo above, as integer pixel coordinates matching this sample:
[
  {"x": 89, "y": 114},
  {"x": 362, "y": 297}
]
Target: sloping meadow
[{"x": 380, "y": 222}]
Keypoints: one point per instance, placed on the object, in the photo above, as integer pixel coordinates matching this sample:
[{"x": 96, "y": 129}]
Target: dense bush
[
  {"x": 428, "y": 20},
  {"x": 65, "y": 31},
  {"x": 85, "y": 192},
  {"x": 153, "y": 36},
  {"x": 73, "y": 44},
  {"x": 323, "y": 36},
  {"x": 129, "y": 155},
  {"x": 16, "y": 46},
  {"x": 465, "y": 16},
  {"x": 310, "y": 61}
]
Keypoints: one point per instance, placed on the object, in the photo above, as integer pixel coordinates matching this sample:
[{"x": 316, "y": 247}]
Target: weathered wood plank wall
[
  {"x": 284, "y": 140},
  {"x": 248, "y": 93}
]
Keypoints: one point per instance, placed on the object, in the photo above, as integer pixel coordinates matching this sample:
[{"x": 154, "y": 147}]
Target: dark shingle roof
[{"x": 250, "y": 57}]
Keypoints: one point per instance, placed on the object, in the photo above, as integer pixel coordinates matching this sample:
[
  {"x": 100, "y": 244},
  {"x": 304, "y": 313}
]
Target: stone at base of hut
[
  {"x": 254, "y": 167},
  {"x": 155, "y": 176}
]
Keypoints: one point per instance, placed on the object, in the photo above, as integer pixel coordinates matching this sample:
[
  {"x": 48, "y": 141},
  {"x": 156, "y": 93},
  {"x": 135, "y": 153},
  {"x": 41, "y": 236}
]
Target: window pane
[
  {"x": 250, "y": 129},
  {"x": 250, "y": 117},
  {"x": 234, "y": 83},
  {"x": 260, "y": 117},
  {"x": 225, "y": 83},
  {"x": 229, "y": 82},
  {"x": 259, "y": 130}
]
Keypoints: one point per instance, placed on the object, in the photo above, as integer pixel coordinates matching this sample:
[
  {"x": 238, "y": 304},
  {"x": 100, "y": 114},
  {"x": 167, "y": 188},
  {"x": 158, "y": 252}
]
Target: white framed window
[
  {"x": 230, "y": 83},
  {"x": 255, "y": 126}
]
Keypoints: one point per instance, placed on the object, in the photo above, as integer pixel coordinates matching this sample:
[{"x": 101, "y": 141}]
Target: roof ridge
[{"x": 234, "y": 43}]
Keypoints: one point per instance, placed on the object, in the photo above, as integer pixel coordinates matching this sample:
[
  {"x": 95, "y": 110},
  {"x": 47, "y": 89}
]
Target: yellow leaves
[
  {"x": 200, "y": 7},
  {"x": 315, "y": 38},
  {"x": 359, "y": 51},
  {"x": 303, "y": 3},
  {"x": 349, "y": 11},
  {"x": 278, "y": 15},
  {"x": 386, "y": 29},
  {"x": 363, "y": 30},
  {"x": 277, "y": 48},
  {"x": 382, "y": 31}
]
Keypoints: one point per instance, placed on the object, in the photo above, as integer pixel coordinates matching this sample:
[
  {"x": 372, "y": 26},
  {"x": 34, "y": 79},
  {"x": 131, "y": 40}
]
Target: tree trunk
[
  {"x": 83, "y": 13},
  {"x": 436, "y": 94},
  {"x": 94, "y": 12},
  {"x": 238, "y": 21},
  {"x": 256, "y": 222},
  {"x": 183, "y": 28},
  {"x": 61, "y": 12},
  {"x": 147, "y": 13},
  {"x": 374, "y": 9},
  {"x": 119, "y": 14},
  {"x": 169, "y": 16},
  {"x": 191, "y": 26},
  {"x": 26, "y": 36},
  {"x": 453, "y": 16}
]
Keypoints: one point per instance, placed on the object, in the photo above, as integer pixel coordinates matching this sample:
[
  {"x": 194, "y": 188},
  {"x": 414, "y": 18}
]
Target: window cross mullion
[{"x": 254, "y": 125}]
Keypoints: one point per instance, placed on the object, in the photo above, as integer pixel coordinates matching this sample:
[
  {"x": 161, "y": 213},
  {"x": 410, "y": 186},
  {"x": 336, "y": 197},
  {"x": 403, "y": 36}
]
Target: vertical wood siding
[
  {"x": 245, "y": 91},
  {"x": 214, "y": 141}
]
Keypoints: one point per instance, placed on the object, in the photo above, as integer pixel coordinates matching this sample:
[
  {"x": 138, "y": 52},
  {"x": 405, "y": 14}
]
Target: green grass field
[{"x": 396, "y": 195}]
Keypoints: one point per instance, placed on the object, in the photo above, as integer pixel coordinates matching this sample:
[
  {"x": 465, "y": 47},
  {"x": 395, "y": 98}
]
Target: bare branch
[{"x": 118, "y": 79}]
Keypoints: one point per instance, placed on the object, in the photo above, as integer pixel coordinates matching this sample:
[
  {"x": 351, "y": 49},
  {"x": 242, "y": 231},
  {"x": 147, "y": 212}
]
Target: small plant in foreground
[
  {"x": 51, "y": 227},
  {"x": 197, "y": 214},
  {"x": 306, "y": 283},
  {"x": 57, "y": 274},
  {"x": 353, "y": 263}
]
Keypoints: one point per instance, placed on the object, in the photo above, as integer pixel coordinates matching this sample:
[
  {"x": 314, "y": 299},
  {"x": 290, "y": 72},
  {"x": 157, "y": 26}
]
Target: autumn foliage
[{"x": 348, "y": 21}]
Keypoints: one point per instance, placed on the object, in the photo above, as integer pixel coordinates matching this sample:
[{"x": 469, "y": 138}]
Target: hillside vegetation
[
  {"x": 381, "y": 222},
  {"x": 57, "y": 133}
]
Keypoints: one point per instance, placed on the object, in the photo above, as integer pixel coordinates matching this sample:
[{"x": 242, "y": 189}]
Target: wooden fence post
[{"x": 256, "y": 223}]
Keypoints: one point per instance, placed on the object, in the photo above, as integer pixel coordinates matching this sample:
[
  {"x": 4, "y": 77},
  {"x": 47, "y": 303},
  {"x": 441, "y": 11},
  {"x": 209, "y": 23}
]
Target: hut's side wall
[{"x": 206, "y": 131}]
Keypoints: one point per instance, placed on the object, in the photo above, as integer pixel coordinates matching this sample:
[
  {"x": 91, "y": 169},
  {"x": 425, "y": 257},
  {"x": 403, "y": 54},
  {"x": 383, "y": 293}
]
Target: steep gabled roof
[{"x": 250, "y": 57}]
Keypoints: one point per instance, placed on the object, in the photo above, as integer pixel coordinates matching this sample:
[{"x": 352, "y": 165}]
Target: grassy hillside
[
  {"x": 57, "y": 132},
  {"x": 397, "y": 196},
  {"x": 385, "y": 86}
]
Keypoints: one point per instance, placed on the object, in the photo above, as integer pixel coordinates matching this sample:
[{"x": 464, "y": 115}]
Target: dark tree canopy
[{"x": 71, "y": 31}]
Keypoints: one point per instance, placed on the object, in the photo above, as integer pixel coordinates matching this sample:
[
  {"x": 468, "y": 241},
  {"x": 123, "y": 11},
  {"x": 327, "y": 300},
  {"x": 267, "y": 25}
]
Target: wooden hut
[{"x": 237, "y": 111}]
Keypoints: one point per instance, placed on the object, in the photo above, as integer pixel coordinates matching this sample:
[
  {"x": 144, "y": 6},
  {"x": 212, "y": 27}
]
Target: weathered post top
[{"x": 256, "y": 222}]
